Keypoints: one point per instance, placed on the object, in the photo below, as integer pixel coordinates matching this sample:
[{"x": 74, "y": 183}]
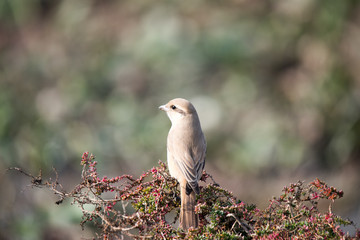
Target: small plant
[
  {"x": 295, "y": 214},
  {"x": 148, "y": 207}
]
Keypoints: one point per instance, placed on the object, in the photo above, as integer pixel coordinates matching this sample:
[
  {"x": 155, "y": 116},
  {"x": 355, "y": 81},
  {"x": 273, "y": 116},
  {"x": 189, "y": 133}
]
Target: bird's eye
[{"x": 173, "y": 107}]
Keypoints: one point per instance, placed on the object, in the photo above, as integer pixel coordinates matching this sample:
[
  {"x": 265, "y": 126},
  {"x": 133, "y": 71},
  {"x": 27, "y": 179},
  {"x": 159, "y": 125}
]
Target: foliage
[
  {"x": 154, "y": 200},
  {"x": 295, "y": 214}
]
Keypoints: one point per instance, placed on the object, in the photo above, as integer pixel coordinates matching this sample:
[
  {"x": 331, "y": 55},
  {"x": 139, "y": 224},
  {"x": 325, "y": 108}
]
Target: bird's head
[{"x": 177, "y": 109}]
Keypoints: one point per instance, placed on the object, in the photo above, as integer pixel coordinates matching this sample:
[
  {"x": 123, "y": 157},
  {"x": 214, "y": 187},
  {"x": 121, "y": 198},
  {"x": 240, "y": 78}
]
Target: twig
[{"x": 244, "y": 225}]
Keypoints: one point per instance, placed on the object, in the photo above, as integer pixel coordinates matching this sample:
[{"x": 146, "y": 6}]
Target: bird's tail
[{"x": 188, "y": 218}]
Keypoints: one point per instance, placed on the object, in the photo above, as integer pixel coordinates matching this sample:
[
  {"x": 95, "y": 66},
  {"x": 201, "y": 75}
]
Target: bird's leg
[{"x": 174, "y": 195}]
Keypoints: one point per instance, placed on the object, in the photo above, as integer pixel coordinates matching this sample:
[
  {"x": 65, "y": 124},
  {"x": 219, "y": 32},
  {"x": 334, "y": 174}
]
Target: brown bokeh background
[{"x": 276, "y": 85}]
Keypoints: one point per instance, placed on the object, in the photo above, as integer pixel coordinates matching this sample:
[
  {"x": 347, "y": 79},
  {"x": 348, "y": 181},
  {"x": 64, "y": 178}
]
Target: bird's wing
[{"x": 191, "y": 163}]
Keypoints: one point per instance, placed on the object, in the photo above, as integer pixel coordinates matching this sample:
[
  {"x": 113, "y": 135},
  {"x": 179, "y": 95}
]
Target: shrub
[{"x": 148, "y": 207}]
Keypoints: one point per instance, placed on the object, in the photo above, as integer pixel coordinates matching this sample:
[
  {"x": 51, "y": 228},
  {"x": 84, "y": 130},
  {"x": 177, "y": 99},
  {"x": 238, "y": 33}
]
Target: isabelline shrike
[{"x": 186, "y": 149}]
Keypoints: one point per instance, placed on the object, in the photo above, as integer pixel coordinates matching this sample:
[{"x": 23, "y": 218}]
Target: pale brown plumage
[{"x": 186, "y": 148}]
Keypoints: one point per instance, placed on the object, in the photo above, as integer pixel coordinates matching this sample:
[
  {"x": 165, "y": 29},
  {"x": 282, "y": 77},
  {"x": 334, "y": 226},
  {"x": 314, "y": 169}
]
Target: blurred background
[{"x": 276, "y": 85}]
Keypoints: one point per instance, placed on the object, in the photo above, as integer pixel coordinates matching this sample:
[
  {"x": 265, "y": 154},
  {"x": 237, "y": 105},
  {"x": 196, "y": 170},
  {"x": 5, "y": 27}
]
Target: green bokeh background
[{"x": 276, "y": 85}]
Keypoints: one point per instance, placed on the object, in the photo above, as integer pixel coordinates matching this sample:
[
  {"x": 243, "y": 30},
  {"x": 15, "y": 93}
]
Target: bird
[{"x": 186, "y": 152}]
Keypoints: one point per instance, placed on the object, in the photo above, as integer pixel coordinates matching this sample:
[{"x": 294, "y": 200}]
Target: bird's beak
[{"x": 164, "y": 108}]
